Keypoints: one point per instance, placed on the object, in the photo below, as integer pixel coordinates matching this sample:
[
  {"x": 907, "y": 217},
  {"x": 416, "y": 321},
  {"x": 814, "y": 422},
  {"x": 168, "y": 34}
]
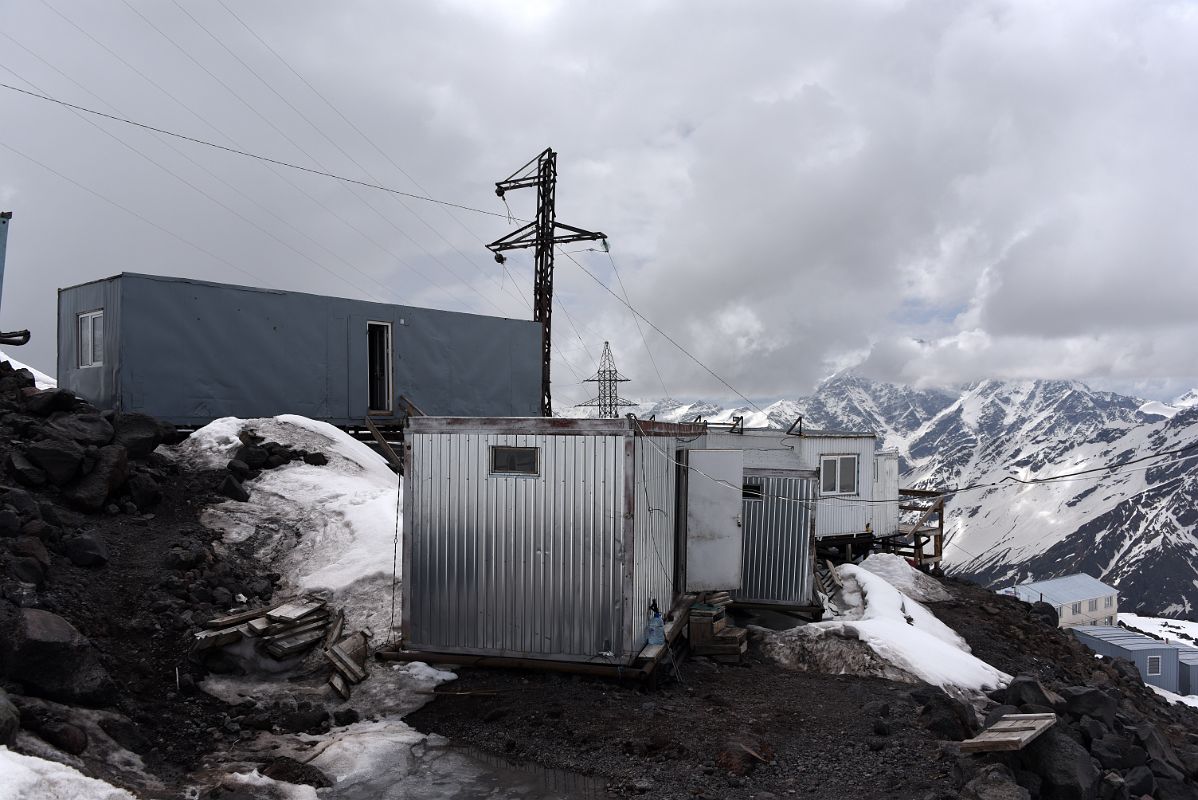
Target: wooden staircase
[{"x": 710, "y": 634}]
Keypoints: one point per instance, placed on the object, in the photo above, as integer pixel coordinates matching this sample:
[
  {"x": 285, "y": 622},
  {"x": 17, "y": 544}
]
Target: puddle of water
[{"x": 504, "y": 777}]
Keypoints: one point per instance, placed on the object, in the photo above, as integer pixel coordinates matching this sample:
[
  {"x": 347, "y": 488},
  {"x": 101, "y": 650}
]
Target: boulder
[
  {"x": 231, "y": 487},
  {"x": 288, "y": 770},
  {"x": 316, "y": 459},
  {"x": 110, "y": 472},
  {"x": 65, "y": 736},
  {"x": 1045, "y": 613},
  {"x": 1112, "y": 787},
  {"x": 28, "y": 570},
  {"x": 48, "y": 401},
  {"x": 54, "y": 660},
  {"x": 86, "y": 550},
  {"x": 1086, "y": 701},
  {"x": 10, "y": 523},
  {"x": 252, "y": 456},
  {"x": 996, "y": 713},
  {"x": 60, "y": 459},
  {"x": 10, "y": 720},
  {"x": 23, "y": 470},
  {"x": 1026, "y": 690},
  {"x": 1112, "y": 751},
  {"x": 1139, "y": 781},
  {"x": 948, "y": 719},
  {"x": 994, "y": 782},
  {"x": 139, "y": 433},
  {"x": 1065, "y": 768},
  {"x": 1160, "y": 752},
  {"x": 240, "y": 469},
  {"x": 144, "y": 491},
  {"x": 82, "y": 428},
  {"x": 30, "y": 547},
  {"x": 24, "y": 503}
]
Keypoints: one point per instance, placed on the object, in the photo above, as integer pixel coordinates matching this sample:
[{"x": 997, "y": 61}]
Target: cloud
[{"x": 787, "y": 190}]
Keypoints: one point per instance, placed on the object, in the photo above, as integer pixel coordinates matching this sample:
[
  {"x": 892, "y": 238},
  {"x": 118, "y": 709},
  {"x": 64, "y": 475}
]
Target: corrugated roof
[
  {"x": 1130, "y": 640},
  {"x": 1063, "y": 590}
]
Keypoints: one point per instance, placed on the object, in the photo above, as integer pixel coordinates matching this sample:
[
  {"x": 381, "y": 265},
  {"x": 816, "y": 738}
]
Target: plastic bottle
[{"x": 656, "y": 631}]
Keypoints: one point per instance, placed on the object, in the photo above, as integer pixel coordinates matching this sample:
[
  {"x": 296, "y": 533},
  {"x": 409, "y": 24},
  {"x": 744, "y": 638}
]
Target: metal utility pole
[
  {"x": 541, "y": 234},
  {"x": 609, "y": 400}
]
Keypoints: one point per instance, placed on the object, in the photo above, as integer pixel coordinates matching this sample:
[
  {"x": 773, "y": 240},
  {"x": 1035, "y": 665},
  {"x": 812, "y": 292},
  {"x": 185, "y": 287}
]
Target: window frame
[
  {"x": 503, "y": 473},
  {"x": 389, "y": 378},
  {"x": 752, "y": 490},
  {"x": 1148, "y": 666},
  {"x": 85, "y": 356},
  {"x": 1108, "y": 601},
  {"x": 1076, "y": 608},
  {"x": 835, "y": 459},
  {"x": 1092, "y": 605}
]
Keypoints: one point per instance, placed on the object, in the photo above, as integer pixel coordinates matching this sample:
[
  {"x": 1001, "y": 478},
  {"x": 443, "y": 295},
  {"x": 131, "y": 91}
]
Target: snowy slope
[
  {"x": 1136, "y": 528},
  {"x": 41, "y": 379}
]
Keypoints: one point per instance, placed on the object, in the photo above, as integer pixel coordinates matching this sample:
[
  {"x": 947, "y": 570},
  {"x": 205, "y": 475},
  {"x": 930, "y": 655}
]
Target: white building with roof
[{"x": 1079, "y": 599}]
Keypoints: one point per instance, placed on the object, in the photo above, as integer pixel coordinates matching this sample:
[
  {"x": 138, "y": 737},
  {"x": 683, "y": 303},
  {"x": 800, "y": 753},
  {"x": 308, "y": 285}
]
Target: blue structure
[
  {"x": 1159, "y": 662},
  {"x": 189, "y": 351}
]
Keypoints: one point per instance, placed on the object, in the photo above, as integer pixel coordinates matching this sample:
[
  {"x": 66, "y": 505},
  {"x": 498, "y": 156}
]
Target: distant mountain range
[{"x": 1135, "y": 527}]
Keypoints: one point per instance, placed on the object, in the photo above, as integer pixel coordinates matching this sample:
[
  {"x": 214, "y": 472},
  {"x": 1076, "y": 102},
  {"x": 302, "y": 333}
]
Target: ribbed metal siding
[
  {"x": 517, "y": 566},
  {"x": 886, "y": 487},
  {"x": 776, "y": 564},
  {"x": 653, "y": 530},
  {"x": 841, "y": 514}
]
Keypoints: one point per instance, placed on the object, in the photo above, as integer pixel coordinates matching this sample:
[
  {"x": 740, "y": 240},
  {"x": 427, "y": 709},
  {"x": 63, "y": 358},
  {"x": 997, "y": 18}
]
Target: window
[
  {"x": 1077, "y": 608},
  {"x": 1109, "y": 620},
  {"x": 515, "y": 460},
  {"x": 751, "y": 490},
  {"x": 91, "y": 339},
  {"x": 1154, "y": 665},
  {"x": 1093, "y": 605},
  {"x": 838, "y": 475},
  {"x": 1108, "y": 601}
]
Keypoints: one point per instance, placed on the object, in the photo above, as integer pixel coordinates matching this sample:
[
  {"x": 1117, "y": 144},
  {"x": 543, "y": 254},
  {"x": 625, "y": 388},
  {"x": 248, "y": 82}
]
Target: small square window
[
  {"x": 838, "y": 475},
  {"x": 1154, "y": 665},
  {"x": 515, "y": 460},
  {"x": 90, "y": 339},
  {"x": 751, "y": 490}
]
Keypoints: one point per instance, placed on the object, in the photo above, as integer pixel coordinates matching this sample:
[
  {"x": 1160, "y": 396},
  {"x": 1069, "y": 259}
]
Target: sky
[{"x": 928, "y": 193}]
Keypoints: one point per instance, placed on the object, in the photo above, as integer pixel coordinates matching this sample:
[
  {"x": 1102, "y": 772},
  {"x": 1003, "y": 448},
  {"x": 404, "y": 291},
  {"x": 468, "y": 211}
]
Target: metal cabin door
[{"x": 714, "y": 533}]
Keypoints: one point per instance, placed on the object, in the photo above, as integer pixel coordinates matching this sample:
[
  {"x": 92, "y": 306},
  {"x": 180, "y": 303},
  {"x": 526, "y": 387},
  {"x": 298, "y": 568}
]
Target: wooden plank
[
  {"x": 353, "y": 650},
  {"x": 340, "y": 685},
  {"x": 295, "y": 610},
  {"x": 206, "y": 640},
  {"x": 258, "y": 626},
  {"x": 344, "y": 664},
  {"x": 1011, "y": 732},
  {"x": 296, "y": 630},
  {"x": 295, "y": 644},
  {"x": 388, "y": 452},
  {"x": 334, "y": 630},
  {"x": 230, "y": 620}
]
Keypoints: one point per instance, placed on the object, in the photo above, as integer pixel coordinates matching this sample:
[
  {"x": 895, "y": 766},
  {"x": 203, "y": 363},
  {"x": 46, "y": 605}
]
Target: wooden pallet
[{"x": 1010, "y": 732}]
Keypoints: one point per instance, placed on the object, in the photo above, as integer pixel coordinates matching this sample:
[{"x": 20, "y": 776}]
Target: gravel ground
[{"x": 752, "y": 731}]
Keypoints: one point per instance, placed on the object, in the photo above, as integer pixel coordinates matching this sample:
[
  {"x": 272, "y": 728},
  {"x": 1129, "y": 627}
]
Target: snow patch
[
  {"x": 328, "y": 529},
  {"x": 30, "y": 778},
  {"x": 1155, "y": 408},
  {"x": 1175, "y": 630},
  {"x": 40, "y": 379},
  {"x": 264, "y": 787},
  {"x": 907, "y": 579},
  {"x": 1184, "y": 699}
]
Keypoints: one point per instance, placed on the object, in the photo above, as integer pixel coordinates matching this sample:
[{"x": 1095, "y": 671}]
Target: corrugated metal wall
[
  {"x": 776, "y": 565},
  {"x": 524, "y": 566},
  {"x": 653, "y": 529},
  {"x": 841, "y": 514}
]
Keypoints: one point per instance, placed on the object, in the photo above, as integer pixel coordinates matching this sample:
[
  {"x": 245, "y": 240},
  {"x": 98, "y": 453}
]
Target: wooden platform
[
  {"x": 711, "y": 635},
  {"x": 1011, "y": 732}
]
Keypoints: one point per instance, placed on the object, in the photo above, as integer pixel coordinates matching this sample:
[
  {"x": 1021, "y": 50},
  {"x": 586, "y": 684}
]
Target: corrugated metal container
[
  {"x": 777, "y": 566},
  {"x": 189, "y": 351},
  {"x": 560, "y": 564},
  {"x": 1115, "y": 642},
  {"x": 1187, "y": 670},
  {"x": 886, "y": 486}
]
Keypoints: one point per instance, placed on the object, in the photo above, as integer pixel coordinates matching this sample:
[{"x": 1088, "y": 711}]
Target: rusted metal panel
[
  {"x": 525, "y": 566},
  {"x": 777, "y": 566}
]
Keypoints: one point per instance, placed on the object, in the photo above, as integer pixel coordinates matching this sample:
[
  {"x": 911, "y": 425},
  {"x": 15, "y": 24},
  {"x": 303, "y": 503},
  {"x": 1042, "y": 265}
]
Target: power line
[
  {"x": 639, "y": 330},
  {"x": 246, "y": 154}
]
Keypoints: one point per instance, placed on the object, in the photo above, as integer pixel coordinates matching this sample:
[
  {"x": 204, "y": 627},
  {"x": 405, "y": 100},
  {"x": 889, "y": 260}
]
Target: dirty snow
[
  {"x": 907, "y": 579},
  {"x": 258, "y": 785},
  {"x": 1184, "y": 699},
  {"x": 905, "y": 638},
  {"x": 328, "y": 529},
  {"x": 40, "y": 379},
  {"x": 30, "y": 778}
]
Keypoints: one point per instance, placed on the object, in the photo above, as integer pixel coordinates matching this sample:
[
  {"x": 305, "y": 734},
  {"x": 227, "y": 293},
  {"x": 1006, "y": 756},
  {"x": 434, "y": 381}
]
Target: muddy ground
[{"x": 721, "y": 732}]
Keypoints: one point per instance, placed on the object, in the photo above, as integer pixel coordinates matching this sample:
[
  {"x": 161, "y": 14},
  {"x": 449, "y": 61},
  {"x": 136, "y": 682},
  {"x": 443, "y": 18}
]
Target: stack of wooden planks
[
  {"x": 1009, "y": 732},
  {"x": 711, "y": 635},
  {"x": 347, "y": 654},
  {"x": 283, "y": 630}
]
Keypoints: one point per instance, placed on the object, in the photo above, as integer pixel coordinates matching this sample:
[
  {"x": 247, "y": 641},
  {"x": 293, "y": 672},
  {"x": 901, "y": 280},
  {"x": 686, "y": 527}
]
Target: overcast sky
[{"x": 931, "y": 192}]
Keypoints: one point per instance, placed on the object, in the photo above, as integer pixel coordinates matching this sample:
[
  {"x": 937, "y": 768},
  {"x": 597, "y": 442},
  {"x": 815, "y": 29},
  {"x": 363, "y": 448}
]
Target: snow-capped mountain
[{"x": 1135, "y": 526}]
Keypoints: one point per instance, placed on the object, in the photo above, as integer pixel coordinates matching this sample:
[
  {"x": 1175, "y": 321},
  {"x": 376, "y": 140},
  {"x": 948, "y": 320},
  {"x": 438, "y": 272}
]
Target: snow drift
[
  {"x": 885, "y": 633},
  {"x": 31, "y": 778},
  {"x": 328, "y": 529}
]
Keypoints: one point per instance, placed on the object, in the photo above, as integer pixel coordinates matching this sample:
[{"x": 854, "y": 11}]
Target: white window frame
[
  {"x": 86, "y": 355},
  {"x": 1108, "y": 601},
  {"x": 1149, "y": 666},
  {"x": 1092, "y": 605},
  {"x": 834, "y": 459},
  {"x": 1077, "y": 609}
]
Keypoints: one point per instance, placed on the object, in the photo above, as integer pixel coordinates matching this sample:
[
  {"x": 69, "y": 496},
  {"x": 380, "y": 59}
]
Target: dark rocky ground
[{"x": 105, "y": 572}]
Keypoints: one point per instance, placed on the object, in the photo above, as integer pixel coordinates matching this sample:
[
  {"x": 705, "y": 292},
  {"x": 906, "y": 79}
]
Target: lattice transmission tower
[{"x": 609, "y": 379}]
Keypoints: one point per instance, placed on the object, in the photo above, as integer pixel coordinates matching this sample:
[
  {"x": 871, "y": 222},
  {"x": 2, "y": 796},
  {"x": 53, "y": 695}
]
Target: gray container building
[
  {"x": 1187, "y": 670},
  {"x": 778, "y": 560},
  {"x": 546, "y": 538},
  {"x": 189, "y": 351},
  {"x": 1158, "y": 662}
]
